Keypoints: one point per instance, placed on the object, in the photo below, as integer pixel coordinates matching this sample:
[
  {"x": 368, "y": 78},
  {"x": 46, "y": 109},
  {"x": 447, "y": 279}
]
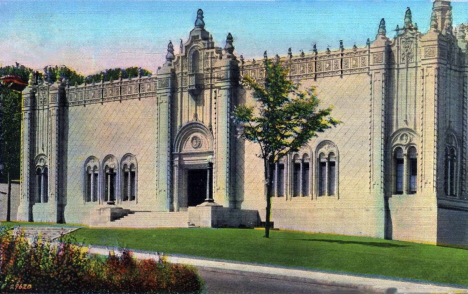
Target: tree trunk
[
  {"x": 8, "y": 216},
  {"x": 269, "y": 188}
]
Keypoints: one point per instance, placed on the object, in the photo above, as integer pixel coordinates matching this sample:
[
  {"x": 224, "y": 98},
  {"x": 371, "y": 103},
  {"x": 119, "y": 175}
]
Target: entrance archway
[{"x": 192, "y": 166}]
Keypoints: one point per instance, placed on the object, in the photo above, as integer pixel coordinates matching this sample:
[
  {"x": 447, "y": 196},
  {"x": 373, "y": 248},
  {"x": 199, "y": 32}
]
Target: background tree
[
  {"x": 13, "y": 77},
  {"x": 283, "y": 121},
  {"x": 115, "y": 74}
]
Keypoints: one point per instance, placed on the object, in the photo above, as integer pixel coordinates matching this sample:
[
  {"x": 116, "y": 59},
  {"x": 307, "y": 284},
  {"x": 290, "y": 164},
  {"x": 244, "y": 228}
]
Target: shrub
[{"x": 41, "y": 266}]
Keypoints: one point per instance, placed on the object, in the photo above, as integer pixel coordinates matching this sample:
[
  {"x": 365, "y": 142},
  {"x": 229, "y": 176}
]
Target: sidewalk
[{"x": 319, "y": 277}]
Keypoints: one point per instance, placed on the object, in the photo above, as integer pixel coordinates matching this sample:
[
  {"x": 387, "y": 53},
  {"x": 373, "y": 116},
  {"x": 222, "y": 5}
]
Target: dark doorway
[{"x": 196, "y": 188}]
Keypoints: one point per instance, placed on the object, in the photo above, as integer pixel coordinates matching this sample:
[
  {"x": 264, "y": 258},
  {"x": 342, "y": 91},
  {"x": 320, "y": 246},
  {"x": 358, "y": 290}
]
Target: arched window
[
  {"x": 327, "y": 169},
  {"x": 195, "y": 61},
  {"x": 41, "y": 192},
  {"x": 451, "y": 172},
  {"x": 412, "y": 170},
  {"x": 129, "y": 177},
  {"x": 91, "y": 179},
  {"x": 305, "y": 175},
  {"x": 110, "y": 168},
  {"x": 399, "y": 169}
]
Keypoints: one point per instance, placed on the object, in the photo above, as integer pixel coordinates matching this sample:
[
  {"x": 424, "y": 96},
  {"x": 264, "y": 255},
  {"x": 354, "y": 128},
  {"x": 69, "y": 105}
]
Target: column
[
  {"x": 129, "y": 185},
  {"x": 209, "y": 197},
  {"x": 176, "y": 186},
  {"x": 301, "y": 184},
  {"x": 42, "y": 186},
  {"x": 92, "y": 186},
  {"x": 108, "y": 186},
  {"x": 327, "y": 171}
]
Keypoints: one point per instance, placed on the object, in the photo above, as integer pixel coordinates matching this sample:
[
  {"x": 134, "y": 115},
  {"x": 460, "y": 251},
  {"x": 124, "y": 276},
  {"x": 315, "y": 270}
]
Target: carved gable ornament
[
  {"x": 404, "y": 137},
  {"x": 194, "y": 137},
  {"x": 407, "y": 54}
]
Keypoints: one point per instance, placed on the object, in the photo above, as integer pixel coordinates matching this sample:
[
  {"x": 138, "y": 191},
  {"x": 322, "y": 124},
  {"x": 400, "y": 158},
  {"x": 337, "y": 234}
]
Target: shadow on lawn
[{"x": 374, "y": 244}]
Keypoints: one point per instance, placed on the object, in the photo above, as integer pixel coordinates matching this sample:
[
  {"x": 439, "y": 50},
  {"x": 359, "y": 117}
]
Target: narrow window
[
  {"x": 89, "y": 182},
  {"x": 413, "y": 170},
  {"x": 322, "y": 174},
  {"x": 450, "y": 172},
  {"x": 297, "y": 178},
  {"x": 305, "y": 176},
  {"x": 280, "y": 179},
  {"x": 110, "y": 184},
  {"x": 331, "y": 174},
  {"x": 132, "y": 183},
  {"x": 399, "y": 170},
  {"x": 195, "y": 62},
  {"x": 38, "y": 185},
  {"x": 126, "y": 185},
  {"x": 45, "y": 184},
  {"x": 95, "y": 184}
]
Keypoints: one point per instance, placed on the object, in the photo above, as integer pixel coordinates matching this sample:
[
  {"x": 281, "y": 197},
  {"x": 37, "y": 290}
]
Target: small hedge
[{"x": 40, "y": 266}]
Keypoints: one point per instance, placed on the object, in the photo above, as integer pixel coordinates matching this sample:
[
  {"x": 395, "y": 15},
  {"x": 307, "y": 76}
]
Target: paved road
[{"x": 229, "y": 281}]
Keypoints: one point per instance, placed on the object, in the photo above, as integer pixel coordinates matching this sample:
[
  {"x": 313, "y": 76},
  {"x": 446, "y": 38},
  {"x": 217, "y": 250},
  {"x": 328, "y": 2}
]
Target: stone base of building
[{"x": 212, "y": 215}]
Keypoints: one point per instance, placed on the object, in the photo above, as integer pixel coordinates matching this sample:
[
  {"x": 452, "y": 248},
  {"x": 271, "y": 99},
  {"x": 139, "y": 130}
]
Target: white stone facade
[{"x": 395, "y": 167}]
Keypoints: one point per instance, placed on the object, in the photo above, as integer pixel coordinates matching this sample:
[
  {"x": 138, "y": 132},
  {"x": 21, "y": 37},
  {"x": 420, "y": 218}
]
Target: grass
[{"x": 315, "y": 251}]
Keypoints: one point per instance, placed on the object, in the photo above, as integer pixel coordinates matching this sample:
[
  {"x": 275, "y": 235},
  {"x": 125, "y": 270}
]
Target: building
[{"x": 164, "y": 149}]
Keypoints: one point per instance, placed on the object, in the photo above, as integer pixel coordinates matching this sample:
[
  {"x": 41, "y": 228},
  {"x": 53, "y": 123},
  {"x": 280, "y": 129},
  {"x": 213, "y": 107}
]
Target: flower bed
[{"x": 41, "y": 266}]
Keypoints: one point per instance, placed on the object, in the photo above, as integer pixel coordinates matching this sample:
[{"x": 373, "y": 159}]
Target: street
[{"x": 229, "y": 281}]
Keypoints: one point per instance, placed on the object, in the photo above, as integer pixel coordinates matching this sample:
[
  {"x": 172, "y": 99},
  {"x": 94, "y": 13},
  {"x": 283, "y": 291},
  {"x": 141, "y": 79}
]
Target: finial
[
  {"x": 448, "y": 25},
  {"x": 170, "y": 52},
  {"x": 277, "y": 58},
  {"x": 265, "y": 55},
  {"x": 102, "y": 77},
  {"x": 434, "y": 24},
  {"x": 199, "y": 23},
  {"x": 354, "y": 47},
  {"x": 253, "y": 61},
  {"x": 289, "y": 52},
  {"x": 58, "y": 78},
  {"x": 242, "y": 59},
  {"x": 302, "y": 53},
  {"x": 315, "y": 49},
  {"x": 229, "y": 47},
  {"x": 341, "y": 45},
  {"x": 408, "y": 18},
  {"x": 382, "y": 28},
  {"x": 368, "y": 42},
  {"x": 31, "y": 79},
  {"x": 181, "y": 49},
  {"x": 328, "y": 50},
  {"x": 140, "y": 72},
  {"x": 120, "y": 75}
]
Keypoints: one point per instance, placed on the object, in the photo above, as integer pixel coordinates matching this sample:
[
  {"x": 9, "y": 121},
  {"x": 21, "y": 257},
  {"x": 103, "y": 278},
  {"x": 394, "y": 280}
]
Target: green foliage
[
  {"x": 286, "y": 118},
  {"x": 16, "y": 70},
  {"x": 39, "y": 266},
  {"x": 116, "y": 73},
  {"x": 10, "y": 147},
  {"x": 55, "y": 72}
]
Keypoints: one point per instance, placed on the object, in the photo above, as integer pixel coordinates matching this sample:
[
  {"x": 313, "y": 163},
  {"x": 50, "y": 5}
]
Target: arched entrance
[{"x": 192, "y": 166}]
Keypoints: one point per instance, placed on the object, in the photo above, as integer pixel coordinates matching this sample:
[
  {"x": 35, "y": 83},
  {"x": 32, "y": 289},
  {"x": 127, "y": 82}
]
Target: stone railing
[
  {"x": 136, "y": 88},
  {"x": 320, "y": 65}
]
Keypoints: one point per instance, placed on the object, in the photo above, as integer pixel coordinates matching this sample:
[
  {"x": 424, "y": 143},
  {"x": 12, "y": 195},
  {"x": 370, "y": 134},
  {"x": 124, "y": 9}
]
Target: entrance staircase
[{"x": 151, "y": 219}]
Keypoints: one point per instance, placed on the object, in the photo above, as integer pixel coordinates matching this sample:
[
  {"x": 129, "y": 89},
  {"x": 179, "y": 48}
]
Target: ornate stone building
[{"x": 163, "y": 150}]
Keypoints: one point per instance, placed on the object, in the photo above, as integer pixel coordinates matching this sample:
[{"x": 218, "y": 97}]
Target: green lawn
[{"x": 316, "y": 251}]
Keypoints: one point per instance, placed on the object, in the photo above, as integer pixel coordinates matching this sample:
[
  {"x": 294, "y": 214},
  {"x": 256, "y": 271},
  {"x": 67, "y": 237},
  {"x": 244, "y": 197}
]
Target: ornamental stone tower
[{"x": 196, "y": 91}]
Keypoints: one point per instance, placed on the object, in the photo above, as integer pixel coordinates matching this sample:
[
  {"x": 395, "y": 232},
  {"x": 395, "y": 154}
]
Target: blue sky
[{"x": 93, "y": 35}]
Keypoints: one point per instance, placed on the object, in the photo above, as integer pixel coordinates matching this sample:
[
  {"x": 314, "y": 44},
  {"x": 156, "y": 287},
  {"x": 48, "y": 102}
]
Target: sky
[{"x": 90, "y": 36}]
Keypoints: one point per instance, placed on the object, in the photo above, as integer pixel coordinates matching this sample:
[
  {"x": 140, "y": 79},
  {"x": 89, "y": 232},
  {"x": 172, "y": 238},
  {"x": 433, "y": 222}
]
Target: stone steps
[
  {"x": 48, "y": 233},
  {"x": 151, "y": 220}
]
